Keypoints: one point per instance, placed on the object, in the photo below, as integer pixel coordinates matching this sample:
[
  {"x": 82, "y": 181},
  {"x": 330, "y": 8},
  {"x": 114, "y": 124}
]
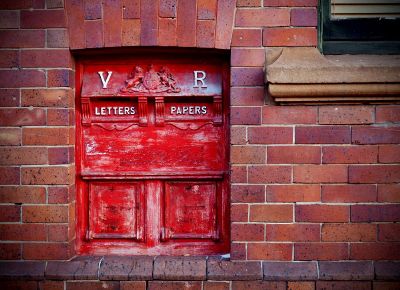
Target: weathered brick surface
[
  {"x": 179, "y": 268},
  {"x": 126, "y": 268},
  {"x": 290, "y": 271},
  {"x": 86, "y": 269},
  {"x": 346, "y": 270},
  {"x": 227, "y": 270}
]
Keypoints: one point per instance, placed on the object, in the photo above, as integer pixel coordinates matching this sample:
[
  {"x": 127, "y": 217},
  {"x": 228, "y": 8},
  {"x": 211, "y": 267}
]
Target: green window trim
[{"x": 357, "y": 35}]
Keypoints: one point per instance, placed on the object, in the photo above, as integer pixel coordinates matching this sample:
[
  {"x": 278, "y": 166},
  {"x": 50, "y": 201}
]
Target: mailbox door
[{"x": 152, "y": 154}]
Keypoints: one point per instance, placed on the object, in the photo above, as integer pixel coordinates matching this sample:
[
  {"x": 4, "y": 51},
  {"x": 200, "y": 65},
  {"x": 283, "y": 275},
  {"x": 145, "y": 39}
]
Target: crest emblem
[{"x": 150, "y": 81}]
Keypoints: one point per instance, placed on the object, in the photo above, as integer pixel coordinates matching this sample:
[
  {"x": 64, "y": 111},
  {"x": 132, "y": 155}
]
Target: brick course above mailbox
[{"x": 152, "y": 154}]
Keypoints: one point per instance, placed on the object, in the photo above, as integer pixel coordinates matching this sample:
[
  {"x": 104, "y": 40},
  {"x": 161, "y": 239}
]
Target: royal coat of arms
[{"x": 150, "y": 81}]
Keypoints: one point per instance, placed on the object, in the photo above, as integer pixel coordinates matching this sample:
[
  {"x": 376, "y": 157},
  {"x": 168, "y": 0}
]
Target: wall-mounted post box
[{"x": 152, "y": 154}]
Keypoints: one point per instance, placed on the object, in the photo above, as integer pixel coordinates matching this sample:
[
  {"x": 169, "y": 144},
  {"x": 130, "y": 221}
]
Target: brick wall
[{"x": 308, "y": 182}]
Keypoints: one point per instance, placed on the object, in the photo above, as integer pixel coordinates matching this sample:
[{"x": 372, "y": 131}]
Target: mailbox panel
[
  {"x": 190, "y": 210},
  {"x": 152, "y": 153},
  {"x": 115, "y": 210}
]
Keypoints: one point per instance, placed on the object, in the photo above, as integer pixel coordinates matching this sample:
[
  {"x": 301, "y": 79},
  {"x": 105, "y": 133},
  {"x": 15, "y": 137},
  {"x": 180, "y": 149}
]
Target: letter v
[{"x": 105, "y": 82}]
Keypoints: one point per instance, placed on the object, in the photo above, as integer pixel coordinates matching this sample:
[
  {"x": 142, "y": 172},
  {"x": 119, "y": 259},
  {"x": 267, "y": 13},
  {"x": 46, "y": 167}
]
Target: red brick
[
  {"x": 294, "y": 154},
  {"x": 349, "y": 154},
  {"x": 388, "y": 192},
  {"x": 247, "y": 232},
  {"x": 320, "y": 251},
  {"x": 9, "y": 97},
  {"x": 266, "y": 17},
  {"x": 133, "y": 285},
  {"x": 377, "y": 285},
  {"x": 320, "y": 213},
  {"x": 375, "y": 251},
  {"x": 269, "y": 251},
  {"x": 22, "y": 38},
  {"x": 167, "y": 8},
  {"x": 93, "y": 9},
  {"x": 174, "y": 285},
  {"x": 249, "y": 76},
  {"x": 46, "y": 136},
  {"x": 43, "y": 19},
  {"x": 247, "y": 57},
  {"x": 348, "y": 232},
  {"x": 238, "y": 135},
  {"x": 57, "y": 233},
  {"x": 22, "y": 194},
  {"x": 245, "y": 115},
  {"x": 248, "y": 154},
  {"x": 271, "y": 213},
  {"x": 248, "y": 3},
  {"x": 51, "y": 285},
  {"x": 23, "y": 155},
  {"x": 22, "y": 117},
  {"x": 76, "y": 16},
  {"x": 10, "y": 213},
  {"x": 323, "y": 135},
  {"x": 205, "y": 33},
  {"x": 46, "y": 251},
  {"x": 320, "y": 173},
  {"x": 112, "y": 23},
  {"x": 349, "y": 193},
  {"x": 225, "y": 17},
  {"x": 10, "y": 252},
  {"x": 238, "y": 251},
  {"x": 47, "y": 98},
  {"x": 301, "y": 285},
  {"x": 374, "y": 173},
  {"x": 186, "y": 26},
  {"x": 59, "y": 117},
  {"x": 54, "y": 4},
  {"x": 238, "y": 174},
  {"x": 93, "y": 285},
  {"x": 167, "y": 32},
  {"x": 45, "y": 214},
  {"x": 239, "y": 212},
  {"x": 9, "y": 58},
  {"x": 390, "y": 114},
  {"x": 131, "y": 32},
  {"x": 23, "y": 232},
  {"x": 346, "y": 115},
  {"x": 258, "y": 285},
  {"x": 270, "y": 174},
  {"x": 246, "y": 37},
  {"x": 131, "y": 9},
  {"x": 389, "y": 232},
  {"x": 45, "y": 58},
  {"x": 9, "y": 175},
  {"x": 58, "y": 194},
  {"x": 293, "y": 193},
  {"x": 9, "y": 19},
  {"x": 290, "y": 36},
  {"x": 47, "y": 175},
  {"x": 22, "y": 78},
  {"x": 293, "y": 232},
  {"x": 59, "y": 155},
  {"x": 289, "y": 115},
  {"x": 375, "y": 135},
  {"x": 375, "y": 213},
  {"x": 247, "y": 96},
  {"x": 94, "y": 33},
  {"x": 206, "y": 9},
  {"x": 60, "y": 78},
  {"x": 270, "y": 135},
  {"x": 211, "y": 285},
  {"x": 10, "y": 136},
  {"x": 343, "y": 285},
  {"x": 303, "y": 17},
  {"x": 298, "y": 3},
  {"x": 389, "y": 154},
  {"x": 247, "y": 193},
  {"x": 57, "y": 38}
]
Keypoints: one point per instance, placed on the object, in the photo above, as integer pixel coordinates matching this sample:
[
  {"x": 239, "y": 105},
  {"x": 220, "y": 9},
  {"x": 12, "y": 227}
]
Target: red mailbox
[{"x": 152, "y": 154}]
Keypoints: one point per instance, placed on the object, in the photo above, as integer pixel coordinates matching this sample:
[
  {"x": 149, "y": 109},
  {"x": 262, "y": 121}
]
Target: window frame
[{"x": 356, "y": 35}]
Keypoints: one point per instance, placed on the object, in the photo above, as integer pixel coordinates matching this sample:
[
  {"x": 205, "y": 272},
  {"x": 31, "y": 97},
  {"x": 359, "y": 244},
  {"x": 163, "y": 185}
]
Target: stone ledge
[
  {"x": 146, "y": 268},
  {"x": 302, "y": 74}
]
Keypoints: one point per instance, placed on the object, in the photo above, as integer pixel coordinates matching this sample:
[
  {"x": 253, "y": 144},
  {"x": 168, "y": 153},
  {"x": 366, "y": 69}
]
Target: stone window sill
[{"x": 304, "y": 75}]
